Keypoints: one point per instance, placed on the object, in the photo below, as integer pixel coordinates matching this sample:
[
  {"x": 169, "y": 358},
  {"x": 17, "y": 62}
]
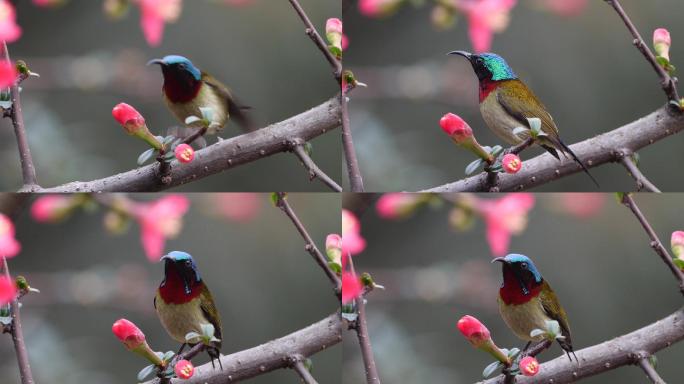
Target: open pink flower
[
  {"x": 8, "y": 74},
  {"x": 128, "y": 333},
  {"x": 50, "y": 208},
  {"x": 351, "y": 287},
  {"x": 9, "y": 30},
  {"x": 184, "y": 153},
  {"x": 8, "y": 290},
  {"x": 160, "y": 220},
  {"x": 9, "y": 246},
  {"x": 529, "y": 366},
  {"x": 511, "y": 163},
  {"x": 504, "y": 217},
  {"x": 154, "y": 15},
  {"x": 240, "y": 207},
  {"x": 484, "y": 18},
  {"x": 352, "y": 241},
  {"x": 184, "y": 369}
]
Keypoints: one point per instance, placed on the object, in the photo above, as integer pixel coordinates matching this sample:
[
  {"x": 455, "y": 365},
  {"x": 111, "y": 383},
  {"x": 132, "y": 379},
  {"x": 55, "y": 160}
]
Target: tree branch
[
  {"x": 604, "y": 148},
  {"x": 623, "y": 350},
  {"x": 18, "y": 336},
  {"x": 270, "y": 356},
  {"x": 28, "y": 171},
  {"x": 372, "y": 376},
  {"x": 314, "y": 171},
  {"x": 318, "y": 40},
  {"x": 355, "y": 178},
  {"x": 302, "y": 371},
  {"x": 650, "y": 371},
  {"x": 310, "y": 245},
  {"x": 656, "y": 244},
  {"x": 220, "y": 156},
  {"x": 667, "y": 82},
  {"x": 641, "y": 180}
]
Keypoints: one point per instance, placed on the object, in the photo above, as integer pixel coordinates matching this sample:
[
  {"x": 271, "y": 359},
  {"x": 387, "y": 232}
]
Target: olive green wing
[
  {"x": 236, "y": 110},
  {"x": 209, "y": 309},
  {"x": 521, "y": 103},
  {"x": 553, "y": 309}
]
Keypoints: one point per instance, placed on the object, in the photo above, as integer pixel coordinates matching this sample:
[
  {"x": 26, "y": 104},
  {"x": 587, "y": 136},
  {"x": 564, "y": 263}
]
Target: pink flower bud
[
  {"x": 333, "y": 25},
  {"x": 662, "y": 43},
  {"x": 511, "y": 163},
  {"x": 129, "y": 118},
  {"x": 333, "y": 32},
  {"x": 455, "y": 127},
  {"x": 8, "y": 74},
  {"x": 333, "y": 247},
  {"x": 184, "y": 153},
  {"x": 351, "y": 287},
  {"x": 473, "y": 330},
  {"x": 128, "y": 333},
  {"x": 677, "y": 243},
  {"x": 184, "y": 369},
  {"x": 529, "y": 366},
  {"x": 8, "y": 290}
]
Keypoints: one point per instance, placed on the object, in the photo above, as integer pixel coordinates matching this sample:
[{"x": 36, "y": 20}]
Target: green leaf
[
  {"x": 513, "y": 353},
  {"x": 308, "y": 148},
  {"x": 491, "y": 368},
  {"x": 653, "y": 360},
  {"x": 192, "y": 120},
  {"x": 274, "y": 199},
  {"x": 190, "y": 336},
  {"x": 535, "y": 125},
  {"x": 335, "y": 51},
  {"x": 168, "y": 140},
  {"x": 472, "y": 167},
  {"x": 350, "y": 316},
  {"x": 679, "y": 263},
  {"x": 146, "y": 373},
  {"x": 6, "y": 320},
  {"x": 496, "y": 150},
  {"x": 208, "y": 330},
  {"x": 207, "y": 113},
  {"x": 537, "y": 332},
  {"x": 520, "y": 130},
  {"x": 553, "y": 327},
  {"x": 335, "y": 267},
  {"x": 168, "y": 355},
  {"x": 146, "y": 156}
]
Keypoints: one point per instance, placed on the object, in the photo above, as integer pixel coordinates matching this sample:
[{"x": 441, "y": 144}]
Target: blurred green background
[
  {"x": 89, "y": 63},
  {"x": 584, "y": 68},
  {"x": 602, "y": 268},
  {"x": 264, "y": 283}
]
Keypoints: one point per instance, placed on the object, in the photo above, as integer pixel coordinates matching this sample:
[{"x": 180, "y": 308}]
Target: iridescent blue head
[
  {"x": 488, "y": 66},
  {"x": 178, "y": 65},
  {"x": 521, "y": 269},
  {"x": 182, "y": 265}
]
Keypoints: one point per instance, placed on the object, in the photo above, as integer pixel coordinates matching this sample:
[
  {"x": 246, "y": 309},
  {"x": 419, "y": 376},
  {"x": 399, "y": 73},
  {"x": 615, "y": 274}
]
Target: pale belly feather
[
  {"x": 179, "y": 319},
  {"x": 205, "y": 98},
  {"x": 524, "y": 318},
  {"x": 498, "y": 120}
]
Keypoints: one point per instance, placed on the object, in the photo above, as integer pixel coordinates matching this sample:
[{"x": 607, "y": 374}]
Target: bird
[
  {"x": 506, "y": 103},
  {"x": 184, "y": 303},
  {"x": 186, "y": 88},
  {"x": 527, "y": 302}
]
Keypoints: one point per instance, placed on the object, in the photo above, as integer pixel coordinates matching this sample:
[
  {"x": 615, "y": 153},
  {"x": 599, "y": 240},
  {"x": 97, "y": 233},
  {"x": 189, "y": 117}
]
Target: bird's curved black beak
[
  {"x": 156, "y": 61},
  {"x": 465, "y": 54},
  {"x": 164, "y": 258},
  {"x": 500, "y": 259}
]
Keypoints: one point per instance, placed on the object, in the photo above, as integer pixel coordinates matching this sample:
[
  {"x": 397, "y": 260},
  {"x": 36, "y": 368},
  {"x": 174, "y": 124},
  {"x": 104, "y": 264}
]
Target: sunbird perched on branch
[
  {"x": 184, "y": 303},
  {"x": 187, "y": 89},
  {"x": 506, "y": 103},
  {"x": 527, "y": 302}
]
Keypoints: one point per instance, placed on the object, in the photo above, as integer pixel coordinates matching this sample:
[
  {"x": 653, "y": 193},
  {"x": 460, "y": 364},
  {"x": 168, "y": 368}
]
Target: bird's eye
[
  {"x": 523, "y": 265},
  {"x": 187, "y": 262}
]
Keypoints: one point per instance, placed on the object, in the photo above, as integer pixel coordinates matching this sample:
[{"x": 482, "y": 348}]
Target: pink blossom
[
  {"x": 8, "y": 290},
  {"x": 9, "y": 30},
  {"x": 9, "y": 246},
  {"x": 677, "y": 244},
  {"x": 662, "y": 42},
  {"x": 160, "y": 220},
  {"x": 50, "y": 208},
  {"x": 456, "y": 127},
  {"x": 333, "y": 247},
  {"x": 345, "y": 42},
  {"x": 529, "y": 366},
  {"x": 351, "y": 287},
  {"x": 240, "y": 207},
  {"x": 129, "y": 118},
  {"x": 378, "y": 8},
  {"x": 184, "y": 153},
  {"x": 484, "y": 18},
  {"x": 511, "y": 163},
  {"x": 128, "y": 333},
  {"x": 504, "y": 217},
  {"x": 565, "y": 7},
  {"x": 154, "y": 14},
  {"x": 582, "y": 205},
  {"x": 396, "y": 205},
  {"x": 8, "y": 74},
  {"x": 473, "y": 330},
  {"x": 184, "y": 369},
  {"x": 48, "y": 3},
  {"x": 352, "y": 241}
]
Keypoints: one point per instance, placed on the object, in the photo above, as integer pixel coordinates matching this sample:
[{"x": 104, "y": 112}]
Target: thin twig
[
  {"x": 656, "y": 244},
  {"x": 310, "y": 245},
  {"x": 302, "y": 371},
  {"x": 28, "y": 171},
  {"x": 314, "y": 171},
  {"x": 18, "y": 337},
  {"x": 522, "y": 146},
  {"x": 318, "y": 40},
  {"x": 641, "y": 180},
  {"x": 666, "y": 81},
  {"x": 650, "y": 371},
  {"x": 353, "y": 170}
]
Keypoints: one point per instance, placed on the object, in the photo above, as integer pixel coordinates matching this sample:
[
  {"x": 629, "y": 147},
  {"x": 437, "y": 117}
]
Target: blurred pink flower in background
[
  {"x": 9, "y": 246},
  {"x": 378, "y": 8},
  {"x": 240, "y": 207},
  {"x": 565, "y": 7},
  {"x": 582, "y": 205},
  {"x": 504, "y": 217},
  {"x": 48, "y": 3},
  {"x": 160, "y": 220},
  {"x": 154, "y": 15},
  {"x": 50, "y": 208},
  {"x": 9, "y": 30},
  {"x": 351, "y": 287},
  {"x": 8, "y": 290},
  {"x": 485, "y": 17},
  {"x": 397, "y": 205},
  {"x": 238, "y": 3},
  {"x": 352, "y": 241},
  {"x": 8, "y": 74}
]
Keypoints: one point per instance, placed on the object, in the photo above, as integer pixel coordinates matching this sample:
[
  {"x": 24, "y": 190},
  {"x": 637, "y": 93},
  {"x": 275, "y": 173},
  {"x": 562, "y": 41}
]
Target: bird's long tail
[{"x": 567, "y": 149}]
